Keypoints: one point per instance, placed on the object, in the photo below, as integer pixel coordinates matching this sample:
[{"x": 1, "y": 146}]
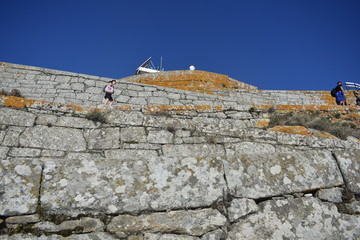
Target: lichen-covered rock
[
  {"x": 153, "y": 236},
  {"x": 162, "y": 136},
  {"x": 127, "y": 118},
  {"x": 331, "y": 195},
  {"x": 19, "y": 187},
  {"x": 83, "y": 225},
  {"x": 23, "y": 219},
  {"x": 14, "y": 117},
  {"x": 264, "y": 175},
  {"x": 194, "y": 223},
  {"x": 240, "y": 208},
  {"x": 88, "y": 236},
  {"x": 130, "y": 184},
  {"x": 217, "y": 234},
  {"x": 133, "y": 134},
  {"x": 103, "y": 138},
  {"x": 56, "y": 138},
  {"x": 349, "y": 163},
  {"x": 3, "y": 152},
  {"x": 75, "y": 122},
  {"x": 300, "y": 218},
  {"x": 248, "y": 148}
]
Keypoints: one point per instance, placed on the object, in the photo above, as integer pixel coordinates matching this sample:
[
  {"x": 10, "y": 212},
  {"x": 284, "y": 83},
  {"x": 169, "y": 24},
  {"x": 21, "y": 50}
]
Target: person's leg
[{"x": 106, "y": 100}]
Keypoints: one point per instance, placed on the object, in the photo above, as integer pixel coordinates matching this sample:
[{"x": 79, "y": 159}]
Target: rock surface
[
  {"x": 194, "y": 223},
  {"x": 301, "y": 218},
  {"x": 349, "y": 163},
  {"x": 255, "y": 175}
]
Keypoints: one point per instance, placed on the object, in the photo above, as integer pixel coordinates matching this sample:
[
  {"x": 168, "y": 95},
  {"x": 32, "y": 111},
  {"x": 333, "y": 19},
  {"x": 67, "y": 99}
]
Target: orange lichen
[
  {"x": 300, "y": 130},
  {"x": 263, "y": 123},
  {"x": 196, "y": 81},
  {"x": 16, "y": 102}
]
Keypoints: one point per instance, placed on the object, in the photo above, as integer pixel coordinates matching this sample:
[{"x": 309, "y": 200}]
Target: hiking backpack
[{"x": 333, "y": 92}]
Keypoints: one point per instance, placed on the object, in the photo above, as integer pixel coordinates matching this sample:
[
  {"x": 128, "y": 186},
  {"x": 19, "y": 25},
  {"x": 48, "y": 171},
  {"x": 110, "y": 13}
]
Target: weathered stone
[
  {"x": 56, "y": 138},
  {"x": 349, "y": 163},
  {"x": 240, "y": 208},
  {"x": 158, "y": 101},
  {"x": 194, "y": 223},
  {"x": 353, "y": 207},
  {"x": 248, "y": 148},
  {"x": 87, "y": 236},
  {"x": 78, "y": 87},
  {"x": 12, "y": 136},
  {"x": 24, "y": 152},
  {"x": 300, "y": 218},
  {"x": 3, "y": 152},
  {"x": 14, "y": 117},
  {"x": 48, "y": 120},
  {"x": 103, "y": 138},
  {"x": 125, "y": 153},
  {"x": 255, "y": 175},
  {"x": 162, "y": 136},
  {"x": 153, "y": 236},
  {"x": 25, "y": 219},
  {"x": 332, "y": 194},
  {"x": 85, "y": 225},
  {"x": 19, "y": 187},
  {"x": 75, "y": 122},
  {"x": 133, "y": 134},
  {"x": 130, "y": 184},
  {"x": 214, "y": 235},
  {"x": 127, "y": 118},
  {"x": 52, "y": 153}
]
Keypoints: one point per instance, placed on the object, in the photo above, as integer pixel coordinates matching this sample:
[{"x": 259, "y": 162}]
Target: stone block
[
  {"x": 130, "y": 184},
  {"x": 248, "y": 148},
  {"x": 349, "y": 162},
  {"x": 90, "y": 83},
  {"x": 47, "y": 120},
  {"x": 158, "y": 101},
  {"x": 3, "y": 152},
  {"x": 217, "y": 234},
  {"x": 55, "y": 138},
  {"x": 137, "y": 101},
  {"x": 79, "y": 87},
  {"x": 26, "y": 219},
  {"x": 103, "y": 138},
  {"x": 63, "y": 79},
  {"x": 12, "y": 136},
  {"x": 24, "y": 152},
  {"x": 126, "y": 118},
  {"x": 255, "y": 175},
  {"x": 299, "y": 218},
  {"x": 331, "y": 195},
  {"x": 160, "y": 236},
  {"x": 14, "y": 117},
  {"x": 133, "y": 134},
  {"x": 125, "y": 153},
  {"x": 86, "y": 225},
  {"x": 240, "y": 208},
  {"x": 161, "y": 136},
  {"x": 19, "y": 185},
  {"x": 194, "y": 223},
  {"x": 75, "y": 122}
]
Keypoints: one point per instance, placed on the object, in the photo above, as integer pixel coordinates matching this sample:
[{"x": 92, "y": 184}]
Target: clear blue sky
[{"x": 272, "y": 44}]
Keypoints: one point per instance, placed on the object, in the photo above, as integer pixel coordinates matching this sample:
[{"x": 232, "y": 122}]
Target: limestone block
[
  {"x": 83, "y": 96},
  {"x": 194, "y": 223},
  {"x": 353, "y": 207},
  {"x": 26, "y": 219},
  {"x": 12, "y": 136},
  {"x": 130, "y": 184},
  {"x": 78, "y": 87},
  {"x": 300, "y": 218},
  {"x": 19, "y": 187},
  {"x": 48, "y": 120},
  {"x": 87, "y": 236},
  {"x": 153, "y": 236},
  {"x": 161, "y": 136},
  {"x": 207, "y": 152},
  {"x": 145, "y": 94},
  {"x": 331, "y": 195},
  {"x": 135, "y": 88},
  {"x": 24, "y": 152},
  {"x": 75, "y": 122},
  {"x": 349, "y": 162},
  {"x": 86, "y": 225},
  {"x": 125, "y": 153},
  {"x": 122, "y": 99},
  {"x": 231, "y": 127},
  {"x": 63, "y": 79},
  {"x": 248, "y": 148},
  {"x": 90, "y": 83},
  {"x": 130, "y": 93},
  {"x": 126, "y": 118},
  {"x": 3, "y": 152},
  {"x": 255, "y": 175},
  {"x": 241, "y": 207},
  {"x": 2, "y": 135},
  {"x": 214, "y": 235},
  {"x": 103, "y": 138},
  {"x": 158, "y": 101},
  {"x": 137, "y": 101},
  {"x": 55, "y": 138},
  {"x": 133, "y": 134},
  {"x": 95, "y": 90},
  {"x": 9, "y": 116}
]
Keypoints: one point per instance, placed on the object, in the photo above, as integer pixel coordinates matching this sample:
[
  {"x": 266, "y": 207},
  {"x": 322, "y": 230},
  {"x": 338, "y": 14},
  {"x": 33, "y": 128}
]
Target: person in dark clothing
[
  {"x": 357, "y": 97},
  {"x": 340, "y": 95}
]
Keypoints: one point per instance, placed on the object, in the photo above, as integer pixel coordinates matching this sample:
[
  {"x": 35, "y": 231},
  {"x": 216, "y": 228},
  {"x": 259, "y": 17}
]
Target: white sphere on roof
[{"x": 192, "y": 67}]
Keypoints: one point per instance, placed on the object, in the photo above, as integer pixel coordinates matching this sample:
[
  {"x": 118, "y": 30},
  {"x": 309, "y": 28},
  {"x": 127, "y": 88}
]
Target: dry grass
[
  {"x": 97, "y": 116},
  {"x": 14, "y": 93},
  {"x": 312, "y": 120}
]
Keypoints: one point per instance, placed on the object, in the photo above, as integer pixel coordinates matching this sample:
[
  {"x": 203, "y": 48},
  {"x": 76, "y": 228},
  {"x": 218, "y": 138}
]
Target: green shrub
[{"x": 96, "y": 116}]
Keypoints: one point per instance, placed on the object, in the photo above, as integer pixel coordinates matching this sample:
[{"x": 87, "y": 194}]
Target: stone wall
[
  {"x": 80, "y": 89},
  {"x": 154, "y": 175}
]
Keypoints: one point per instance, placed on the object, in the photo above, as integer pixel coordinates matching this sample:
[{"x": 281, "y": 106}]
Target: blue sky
[{"x": 272, "y": 44}]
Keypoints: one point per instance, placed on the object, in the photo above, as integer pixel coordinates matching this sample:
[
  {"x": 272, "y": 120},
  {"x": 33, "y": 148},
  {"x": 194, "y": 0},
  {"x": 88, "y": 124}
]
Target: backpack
[
  {"x": 104, "y": 89},
  {"x": 333, "y": 92}
]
